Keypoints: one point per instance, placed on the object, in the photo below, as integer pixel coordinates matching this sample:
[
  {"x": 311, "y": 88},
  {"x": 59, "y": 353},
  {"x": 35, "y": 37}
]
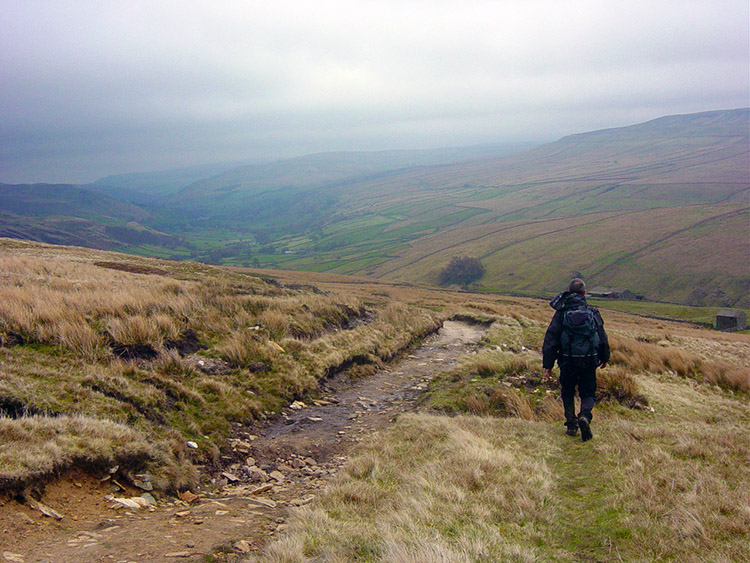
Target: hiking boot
[
  {"x": 572, "y": 430},
  {"x": 583, "y": 424}
]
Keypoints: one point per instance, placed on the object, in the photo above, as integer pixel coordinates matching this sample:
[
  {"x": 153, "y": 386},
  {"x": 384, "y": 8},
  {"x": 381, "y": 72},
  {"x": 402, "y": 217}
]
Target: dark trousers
[{"x": 582, "y": 376}]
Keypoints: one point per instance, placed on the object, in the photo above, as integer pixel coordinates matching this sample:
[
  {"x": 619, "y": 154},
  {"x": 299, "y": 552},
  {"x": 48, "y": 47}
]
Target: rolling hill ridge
[
  {"x": 643, "y": 207},
  {"x": 660, "y": 208}
]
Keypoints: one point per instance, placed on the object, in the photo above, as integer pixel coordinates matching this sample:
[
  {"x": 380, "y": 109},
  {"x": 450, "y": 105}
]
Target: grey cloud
[{"x": 118, "y": 86}]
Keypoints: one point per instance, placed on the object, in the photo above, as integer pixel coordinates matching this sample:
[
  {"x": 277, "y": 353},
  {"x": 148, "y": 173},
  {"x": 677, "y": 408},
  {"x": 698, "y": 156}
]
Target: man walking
[{"x": 577, "y": 340}]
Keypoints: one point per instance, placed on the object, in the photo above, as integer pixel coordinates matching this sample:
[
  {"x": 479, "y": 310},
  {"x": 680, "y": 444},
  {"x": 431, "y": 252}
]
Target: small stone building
[
  {"x": 730, "y": 320},
  {"x": 613, "y": 293}
]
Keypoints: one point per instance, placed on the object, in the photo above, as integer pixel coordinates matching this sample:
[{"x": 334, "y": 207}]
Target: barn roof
[{"x": 729, "y": 313}]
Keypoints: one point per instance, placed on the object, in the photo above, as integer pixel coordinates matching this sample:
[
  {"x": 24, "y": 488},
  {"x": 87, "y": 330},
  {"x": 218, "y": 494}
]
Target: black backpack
[{"x": 580, "y": 335}]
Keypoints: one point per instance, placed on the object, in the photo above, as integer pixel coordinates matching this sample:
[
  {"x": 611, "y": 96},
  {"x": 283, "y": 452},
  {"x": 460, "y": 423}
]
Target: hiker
[{"x": 576, "y": 339}]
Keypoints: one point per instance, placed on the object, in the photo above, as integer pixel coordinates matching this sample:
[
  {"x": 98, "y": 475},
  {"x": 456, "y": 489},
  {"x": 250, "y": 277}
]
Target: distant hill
[
  {"x": 660, "y": 208},
  {"x": 643, "y": 207},
  {"x": 73, "y": 215},
  {"x": 152, "y": 185},
  {"x": 39, "y": 200}
]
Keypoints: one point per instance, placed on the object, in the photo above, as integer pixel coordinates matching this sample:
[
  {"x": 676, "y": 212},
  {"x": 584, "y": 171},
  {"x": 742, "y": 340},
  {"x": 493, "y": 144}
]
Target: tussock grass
[
  {"x": 516, "y": 333},
  {"x": 82, "y": 340},
  {"x": 645, "y": 356},
  {"x": 113, "y": 337},
  {"x": 503, "y": 379},
  {"x": 726, "y": 374},
  {"x": 618, "y": 385},
  {"x": 245, "y": 349},
  {"x": 432, "y": 489}
]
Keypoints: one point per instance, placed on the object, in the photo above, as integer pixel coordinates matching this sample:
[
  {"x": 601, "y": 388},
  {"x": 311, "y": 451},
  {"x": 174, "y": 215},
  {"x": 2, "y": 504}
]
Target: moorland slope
[{"x": 642, "y": 207}]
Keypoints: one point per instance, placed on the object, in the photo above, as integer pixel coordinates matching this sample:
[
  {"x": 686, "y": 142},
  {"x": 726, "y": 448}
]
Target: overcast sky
[{"x": 90, "y": 88}]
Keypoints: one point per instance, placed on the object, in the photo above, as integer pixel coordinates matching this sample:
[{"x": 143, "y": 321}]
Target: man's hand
[{"x": 548, "y": 375}]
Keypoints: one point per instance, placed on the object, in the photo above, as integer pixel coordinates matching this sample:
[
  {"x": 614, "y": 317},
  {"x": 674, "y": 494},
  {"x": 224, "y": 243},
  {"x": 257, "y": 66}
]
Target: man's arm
[{"x": 551, "y": 344}]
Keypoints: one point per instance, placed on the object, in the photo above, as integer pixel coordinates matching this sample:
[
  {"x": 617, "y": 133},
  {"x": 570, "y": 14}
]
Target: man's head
[{"x": 577, "y": 286}]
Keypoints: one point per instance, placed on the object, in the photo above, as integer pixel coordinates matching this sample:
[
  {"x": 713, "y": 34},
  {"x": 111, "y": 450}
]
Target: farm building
[
  {"x": 731, "y": 319},
  {"x": 613, "y": 293}
]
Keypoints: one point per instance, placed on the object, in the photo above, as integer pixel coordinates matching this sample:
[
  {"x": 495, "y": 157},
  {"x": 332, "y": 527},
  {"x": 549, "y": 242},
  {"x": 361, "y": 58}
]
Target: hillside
[
  {"x": 161, "y": 410},
  {"x": 277, "y": 198},
  {"x": 596, "y": 203},
  {"x": 642, "y": 208},
  {"x": 74, "y": 215}
]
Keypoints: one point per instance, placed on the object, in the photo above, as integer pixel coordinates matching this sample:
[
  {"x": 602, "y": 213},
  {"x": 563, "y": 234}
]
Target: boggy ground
[{"x": 272, "y": 468}]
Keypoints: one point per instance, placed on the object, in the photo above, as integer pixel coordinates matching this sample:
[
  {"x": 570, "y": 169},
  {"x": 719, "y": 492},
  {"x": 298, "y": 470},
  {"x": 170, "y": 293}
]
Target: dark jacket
[{"x": 551, "y": 347}]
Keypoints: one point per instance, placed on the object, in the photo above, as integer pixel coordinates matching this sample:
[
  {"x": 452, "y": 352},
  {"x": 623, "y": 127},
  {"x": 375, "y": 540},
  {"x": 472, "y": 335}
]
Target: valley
[{"x": 640, "y": 207}]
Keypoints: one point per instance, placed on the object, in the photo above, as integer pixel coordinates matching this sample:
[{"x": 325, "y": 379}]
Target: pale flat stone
[
  {"x": 44, "y": 509},
  {"x": 261, "y": 489},
  {"x": 265, "y": 502},
  {"x": 127, "y": 502},
  {"x": 243, "y": 546}
]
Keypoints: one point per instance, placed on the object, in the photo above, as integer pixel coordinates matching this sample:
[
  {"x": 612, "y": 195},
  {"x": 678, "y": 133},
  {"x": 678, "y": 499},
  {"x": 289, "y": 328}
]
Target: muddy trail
[{"x": 269, "y": 470}]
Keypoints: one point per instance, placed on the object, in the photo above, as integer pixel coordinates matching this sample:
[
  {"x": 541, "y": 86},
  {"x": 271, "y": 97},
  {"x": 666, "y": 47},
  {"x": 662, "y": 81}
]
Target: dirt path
[{"x": 281, "y": 465}]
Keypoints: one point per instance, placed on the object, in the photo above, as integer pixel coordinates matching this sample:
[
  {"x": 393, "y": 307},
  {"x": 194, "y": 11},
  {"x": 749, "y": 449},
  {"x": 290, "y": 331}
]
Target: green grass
[{"x": 701, "y": 315}]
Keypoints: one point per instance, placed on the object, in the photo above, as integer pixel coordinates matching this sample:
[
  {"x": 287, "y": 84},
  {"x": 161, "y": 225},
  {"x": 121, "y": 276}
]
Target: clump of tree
[{"x": 462, "y": 270}]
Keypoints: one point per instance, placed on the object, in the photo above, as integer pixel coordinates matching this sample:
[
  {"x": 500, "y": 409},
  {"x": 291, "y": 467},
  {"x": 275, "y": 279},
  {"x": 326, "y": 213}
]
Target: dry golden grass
[
  {"x": 243, "y": 349},
  {"x": 433, "y": 489},
  {"x": 669, "y": 485},
  {"x": 665, "y": 357},
  {"x": 81, "y": 339},
  {"x": 618, "y": 385},
  {"x": 35, "y": 447},
  {"x": 726, "y": 374},
  {"x": 108, "y": 336}
]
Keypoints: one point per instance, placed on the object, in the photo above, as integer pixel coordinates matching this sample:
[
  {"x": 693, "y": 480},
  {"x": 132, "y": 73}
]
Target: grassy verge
[{"x": 482, "y": 489}]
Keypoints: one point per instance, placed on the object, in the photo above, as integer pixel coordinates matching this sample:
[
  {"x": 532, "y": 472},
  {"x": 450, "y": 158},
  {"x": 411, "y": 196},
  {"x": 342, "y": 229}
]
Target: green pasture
[{"x": 699, "y": 315}]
